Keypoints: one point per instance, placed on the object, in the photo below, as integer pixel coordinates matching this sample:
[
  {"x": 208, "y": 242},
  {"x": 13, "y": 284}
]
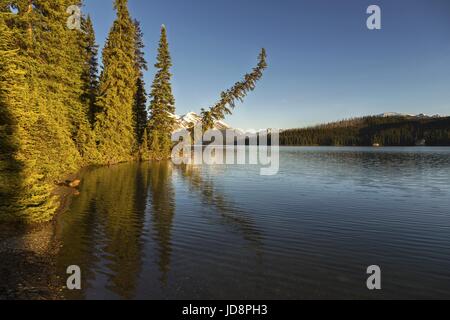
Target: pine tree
[
  {"x": 83, "y": 60},
  {"x": 115, "y": 130},
  {"x": 10, "y": 79},
  {"x": 24, "y": 196},
  {"x": 140, "y": 99},
  {"x": 140, "y": 109},
  {"x": 162, "y": 103},
  {"x": 56, "y": 76},
  {"x": 52, "y": 126},
  {"x": 237, "y": 93},
  {"x": 90, "y": 70}
]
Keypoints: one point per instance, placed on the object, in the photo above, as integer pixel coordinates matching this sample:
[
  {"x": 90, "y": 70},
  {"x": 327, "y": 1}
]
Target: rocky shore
[
  {"x": 27, "y": 269},
  {"x": 28, "y": 253}
]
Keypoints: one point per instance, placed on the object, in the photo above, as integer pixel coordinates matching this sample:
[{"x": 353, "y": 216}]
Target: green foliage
[
  {"x": 24, "y": 196},
  {"x": 140, "y": 99},
  {"x": 90, "y": 69},
  {"x": 238, "y": 92},
  {"x": 115, "y": 129},
  {"x": 367, "y": 131},
  {"x": 162, "y": 103},
  {"x": 140, "y": 109},
  {"x": 51, "y": 124}
]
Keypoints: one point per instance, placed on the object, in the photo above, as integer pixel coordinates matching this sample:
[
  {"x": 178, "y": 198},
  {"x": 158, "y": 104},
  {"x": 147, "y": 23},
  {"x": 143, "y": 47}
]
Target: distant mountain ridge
[
  {"x": 396, "y": 114},
  {"x": 387, "y": 129},
  {"x": 191, "y": 119}
]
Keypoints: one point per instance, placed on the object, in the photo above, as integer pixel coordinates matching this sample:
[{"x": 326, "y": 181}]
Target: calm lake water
[{"x": 159, "y": 231}]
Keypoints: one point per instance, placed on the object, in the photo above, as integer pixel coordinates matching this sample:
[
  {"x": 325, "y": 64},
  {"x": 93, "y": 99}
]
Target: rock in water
[{"x": 75, "y": 183}]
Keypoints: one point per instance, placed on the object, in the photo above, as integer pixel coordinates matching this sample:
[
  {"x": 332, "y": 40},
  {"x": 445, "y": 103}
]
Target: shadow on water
[{"x": 230, "y": 215}]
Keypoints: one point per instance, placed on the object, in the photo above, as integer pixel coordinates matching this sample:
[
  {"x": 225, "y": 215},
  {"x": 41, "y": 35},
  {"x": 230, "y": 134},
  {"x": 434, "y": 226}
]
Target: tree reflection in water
[
  {"x": 162, "y": 198},
  {"x": 230, "y": 215},
  {"x": 123, "y": 209}
]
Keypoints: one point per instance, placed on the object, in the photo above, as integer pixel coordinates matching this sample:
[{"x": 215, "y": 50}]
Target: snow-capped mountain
[
  {"x": 396, "y": 114},
  {"x": 191, "y": 119},
  {"x": 188, "y": 120}
]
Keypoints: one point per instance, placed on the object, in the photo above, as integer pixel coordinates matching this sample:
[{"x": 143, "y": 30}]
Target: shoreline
[
  {"x": 28, "y": 256},
  {"x": 362, "y": 146},
  {"x": 28, "y": 252}
]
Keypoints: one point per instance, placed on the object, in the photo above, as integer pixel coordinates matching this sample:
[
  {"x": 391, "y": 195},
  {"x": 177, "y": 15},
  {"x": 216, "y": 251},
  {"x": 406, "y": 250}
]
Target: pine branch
[{"x": 237, "y": 93}]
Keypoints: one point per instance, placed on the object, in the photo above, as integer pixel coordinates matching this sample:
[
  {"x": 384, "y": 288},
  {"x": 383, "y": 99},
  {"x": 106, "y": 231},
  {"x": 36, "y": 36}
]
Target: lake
[{"x": 160, "y": 231}]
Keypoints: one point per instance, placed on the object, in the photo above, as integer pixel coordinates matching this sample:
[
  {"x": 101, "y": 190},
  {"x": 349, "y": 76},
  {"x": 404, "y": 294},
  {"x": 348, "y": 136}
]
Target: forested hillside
[
  {"x": 60, "y": 113},
  {"x": 374, "y": 130}
]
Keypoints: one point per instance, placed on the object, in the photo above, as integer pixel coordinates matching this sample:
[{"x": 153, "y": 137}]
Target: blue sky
[{"x": 324, "y": 64}]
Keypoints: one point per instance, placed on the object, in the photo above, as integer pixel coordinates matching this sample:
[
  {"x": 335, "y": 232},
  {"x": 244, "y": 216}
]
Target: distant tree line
[
  {"x": 58, "y": 112},
  {"x": 373, "y": 130}
]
